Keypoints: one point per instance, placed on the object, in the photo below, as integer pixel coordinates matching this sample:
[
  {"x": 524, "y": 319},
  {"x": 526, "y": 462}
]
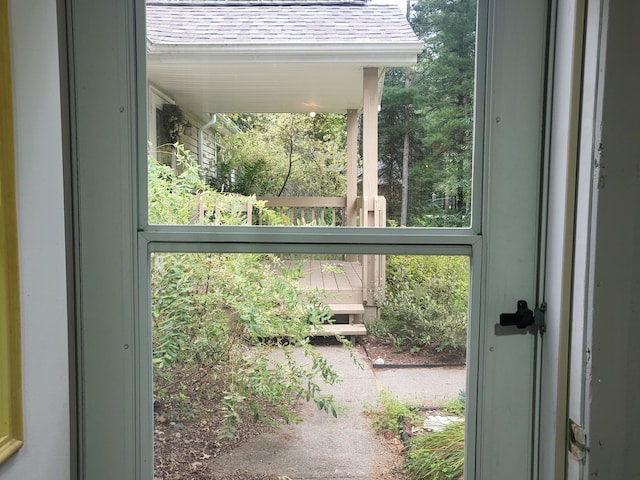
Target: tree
[
  {"x": 286, "y": 155},
  {"x": 399, "y": 140},
  {"x": 447, "y": 67},
  {"x": 426, "y": 121}
]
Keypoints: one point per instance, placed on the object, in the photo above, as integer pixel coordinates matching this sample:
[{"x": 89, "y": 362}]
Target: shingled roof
[
  {"x": 180, "y": 22},
  {"x": 273, "y": 55}
]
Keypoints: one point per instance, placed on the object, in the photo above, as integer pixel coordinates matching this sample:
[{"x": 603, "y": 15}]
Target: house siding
[{"x": 191, "y": 123}]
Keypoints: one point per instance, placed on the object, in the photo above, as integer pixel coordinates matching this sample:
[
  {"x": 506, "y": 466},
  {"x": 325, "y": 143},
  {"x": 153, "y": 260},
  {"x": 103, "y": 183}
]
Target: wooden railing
[
  {"x": 372, "y": 212},
  {"x": 212, "y": 213},
  {"x": 326, "y": 211},
  {"x": 319, "y": 211}
]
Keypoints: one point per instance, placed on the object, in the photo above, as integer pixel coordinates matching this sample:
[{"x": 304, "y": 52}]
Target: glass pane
[
  {"x": 245, "y": 348},
  {"x": 235, "y": 140}
]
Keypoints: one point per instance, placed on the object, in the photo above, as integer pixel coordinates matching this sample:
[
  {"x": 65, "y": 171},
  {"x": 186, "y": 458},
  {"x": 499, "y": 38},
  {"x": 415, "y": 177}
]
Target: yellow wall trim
[{"x": 11, "y": 434}]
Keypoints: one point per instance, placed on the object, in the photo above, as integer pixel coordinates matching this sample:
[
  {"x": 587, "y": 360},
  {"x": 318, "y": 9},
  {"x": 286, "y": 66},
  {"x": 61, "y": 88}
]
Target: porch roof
[{"x": 273, "y": 56}]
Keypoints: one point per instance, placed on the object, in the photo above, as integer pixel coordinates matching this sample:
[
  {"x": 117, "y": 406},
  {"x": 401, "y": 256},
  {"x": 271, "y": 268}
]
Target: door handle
[{"x": 524, "y": 316}]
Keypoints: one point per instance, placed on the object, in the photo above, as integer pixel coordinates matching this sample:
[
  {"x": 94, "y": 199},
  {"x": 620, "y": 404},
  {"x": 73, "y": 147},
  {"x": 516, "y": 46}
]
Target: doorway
[{"x": 114, "y": 240}]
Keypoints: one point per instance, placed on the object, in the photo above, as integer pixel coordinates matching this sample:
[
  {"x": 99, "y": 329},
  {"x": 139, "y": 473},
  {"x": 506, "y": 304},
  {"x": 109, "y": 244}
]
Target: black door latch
[{"x": 524, "y": 316}]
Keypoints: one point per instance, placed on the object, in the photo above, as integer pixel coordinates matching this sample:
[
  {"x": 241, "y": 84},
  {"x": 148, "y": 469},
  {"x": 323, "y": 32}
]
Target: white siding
[{"x": 189, "y": 136}]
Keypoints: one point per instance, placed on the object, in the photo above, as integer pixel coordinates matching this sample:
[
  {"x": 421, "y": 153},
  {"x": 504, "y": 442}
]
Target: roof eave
[{"x": 373, "y": 54}]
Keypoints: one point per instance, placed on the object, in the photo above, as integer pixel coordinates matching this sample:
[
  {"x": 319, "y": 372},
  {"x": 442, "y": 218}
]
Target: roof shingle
[{"x": 275, "y": 22}]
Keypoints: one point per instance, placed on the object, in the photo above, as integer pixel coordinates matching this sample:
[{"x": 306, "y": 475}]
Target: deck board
[
  {"x": 353, "y": 272},
  {"x": 341, "y": 281},
  {"x": 314, "y": 272},
  {"x": 340, "y": 329}
]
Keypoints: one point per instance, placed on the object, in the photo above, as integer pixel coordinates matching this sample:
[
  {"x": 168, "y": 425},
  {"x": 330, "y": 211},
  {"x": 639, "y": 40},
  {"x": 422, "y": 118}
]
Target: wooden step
[
  {"x": 346, "y": 308},
  {"x": 343, "y": 329}
]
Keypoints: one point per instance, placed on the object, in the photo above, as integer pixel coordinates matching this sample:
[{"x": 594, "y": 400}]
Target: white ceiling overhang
[{"x": 251, "y": 78}]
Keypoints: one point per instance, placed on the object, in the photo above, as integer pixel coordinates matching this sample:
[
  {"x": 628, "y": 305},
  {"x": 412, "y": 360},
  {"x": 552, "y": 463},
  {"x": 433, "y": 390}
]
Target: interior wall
[
  {"x": 613, "y": 384},
  {"x": 43, "y": 296}
]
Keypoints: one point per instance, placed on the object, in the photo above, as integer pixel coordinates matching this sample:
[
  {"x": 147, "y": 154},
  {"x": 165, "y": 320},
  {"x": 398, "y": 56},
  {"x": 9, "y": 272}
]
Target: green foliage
[
  {"x": 456, "y": 406},
  {"x": 443, "y": 219},
  {"x": 387, "y": 417},
  {"x": 219, "y": 318},
  {"x": 212, "y": 314},
  {"x": 437, "y": 455},
  {"x": 432, "y": 103},
  {"x": 181, "y": 196},
  {"x": 286, "y": 155},
  {"x": 425, "y": 306}
]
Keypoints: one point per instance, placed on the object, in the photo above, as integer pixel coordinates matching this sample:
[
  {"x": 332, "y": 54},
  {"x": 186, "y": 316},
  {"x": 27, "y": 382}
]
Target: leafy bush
[
  {"x": 217, "y": 318},
  {"x": 181, "y": 196},
  {"x": 425, "y": 304},
  {"x": 442, "y": 219},
  {"x": 387, "y": 417}
]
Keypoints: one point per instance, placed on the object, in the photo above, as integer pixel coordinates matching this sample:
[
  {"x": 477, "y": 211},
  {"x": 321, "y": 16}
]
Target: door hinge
[
  {"x": 577, "y": 441},
  {"x": 524, "y": 317}
]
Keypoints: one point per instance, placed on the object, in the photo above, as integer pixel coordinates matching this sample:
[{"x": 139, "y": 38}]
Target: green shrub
[
  {"x": 387, "y": 417},
  {"x": 181, "y": 196},
  {"x": 212, "y": 317},
  {"x": 217, "y": 318},
  {"x": 425, "y": 305}
]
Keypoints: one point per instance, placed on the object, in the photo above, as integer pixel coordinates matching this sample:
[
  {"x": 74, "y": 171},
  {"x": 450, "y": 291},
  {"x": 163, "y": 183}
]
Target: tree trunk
[
  {"x": 405, "y": 180},
  {"x": 405, "y": 155},
  {"x": 284, "y": 184}
]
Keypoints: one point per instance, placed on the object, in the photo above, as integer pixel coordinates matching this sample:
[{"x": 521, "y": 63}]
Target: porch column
[
  {"x": 370, "y": 263},
  {"x": 352, "y": 167},
  {"x": 370, "y": 133}
]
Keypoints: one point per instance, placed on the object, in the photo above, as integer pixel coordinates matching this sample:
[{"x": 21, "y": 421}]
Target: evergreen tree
[
  {"x": 436, "y": 110},
  {"x": 448, "y": 28}
]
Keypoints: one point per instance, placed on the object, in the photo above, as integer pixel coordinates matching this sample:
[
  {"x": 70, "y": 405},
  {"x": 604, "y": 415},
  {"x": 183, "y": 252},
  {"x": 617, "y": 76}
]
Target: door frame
[{"x": 108, "y": 119}]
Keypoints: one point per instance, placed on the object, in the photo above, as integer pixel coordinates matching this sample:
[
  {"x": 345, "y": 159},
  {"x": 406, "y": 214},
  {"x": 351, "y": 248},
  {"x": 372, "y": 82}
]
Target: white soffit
[
  {"x": 272, "y": 59},
  {"x": 203, "y": 85}
]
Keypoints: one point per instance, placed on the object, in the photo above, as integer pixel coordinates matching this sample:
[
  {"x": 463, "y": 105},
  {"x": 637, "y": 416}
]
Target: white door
[{"x": 112, "y": 243}]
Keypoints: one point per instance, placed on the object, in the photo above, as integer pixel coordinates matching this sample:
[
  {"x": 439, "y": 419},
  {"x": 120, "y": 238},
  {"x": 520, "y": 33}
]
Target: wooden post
[
  {"x": 369, "y": 181},
  {"x": 352, "y": 167},
  {"x": 370, "y": 133}
]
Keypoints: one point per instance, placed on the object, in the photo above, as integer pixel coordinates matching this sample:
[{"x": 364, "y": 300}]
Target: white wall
[
  {"x": 613, "y": 396},
  {"x": 45, "y": 454}
]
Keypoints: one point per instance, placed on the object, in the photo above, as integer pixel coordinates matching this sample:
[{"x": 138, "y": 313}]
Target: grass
[
  {"x": 387, "y": 418},
  {"x": 437, "y": 455}
]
